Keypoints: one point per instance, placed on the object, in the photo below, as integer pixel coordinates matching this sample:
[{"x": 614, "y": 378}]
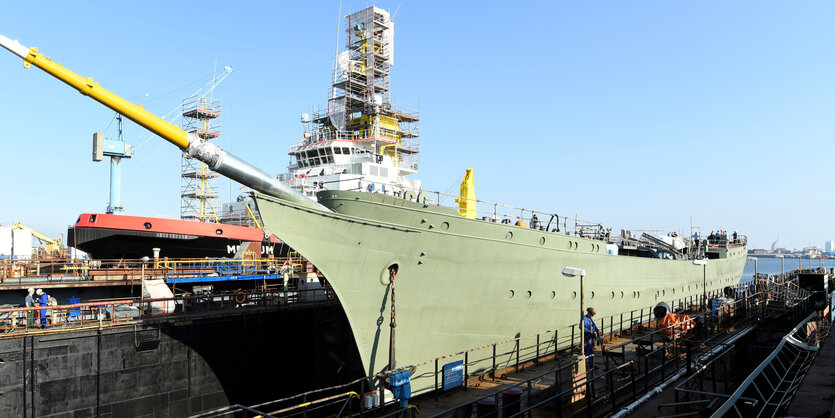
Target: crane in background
[
  {"x": 117, "y": 149},
  {"x": 52, "y": 246}
]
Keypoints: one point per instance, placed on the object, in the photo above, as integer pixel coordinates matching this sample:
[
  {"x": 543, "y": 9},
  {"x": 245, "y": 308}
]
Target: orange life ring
[{"x": 241, "y": 297}]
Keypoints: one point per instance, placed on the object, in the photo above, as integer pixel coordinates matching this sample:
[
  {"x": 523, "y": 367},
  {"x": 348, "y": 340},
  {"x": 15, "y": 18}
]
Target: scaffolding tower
[
  {"x": 199, "y": 195},
  {"x": 359, "y": 107}
]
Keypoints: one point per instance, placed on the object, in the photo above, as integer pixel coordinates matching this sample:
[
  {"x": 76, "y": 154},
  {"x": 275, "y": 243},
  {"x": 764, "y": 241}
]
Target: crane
[
  {"x": 117, "y": 149},
  {"x": 51, "y": 245}
]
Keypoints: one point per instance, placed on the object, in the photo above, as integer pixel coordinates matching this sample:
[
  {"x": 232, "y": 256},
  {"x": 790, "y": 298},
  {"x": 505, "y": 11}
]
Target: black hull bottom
[{"x": 101, "y": 244}]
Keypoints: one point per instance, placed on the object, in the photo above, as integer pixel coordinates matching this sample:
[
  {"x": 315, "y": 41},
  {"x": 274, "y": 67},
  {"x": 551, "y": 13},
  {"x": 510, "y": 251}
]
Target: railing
[
  {"x": 232, "y": 267},
  {"x": 533, "y": 219},
  {"x": 491, "y": 360},
  {"x": 764, "y": 392},
  {"x": 774, "y": 382},
  {"x": 128, "y": 311},
  {"x": 25, "y": 272},
  {"x": 480, "y": 363}
]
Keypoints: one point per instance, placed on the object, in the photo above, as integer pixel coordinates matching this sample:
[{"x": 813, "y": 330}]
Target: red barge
[{"x": 110, "y": 236}]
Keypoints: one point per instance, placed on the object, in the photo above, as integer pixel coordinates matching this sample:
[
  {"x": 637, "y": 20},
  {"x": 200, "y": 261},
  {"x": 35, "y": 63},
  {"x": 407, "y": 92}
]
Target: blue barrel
[
  {"x": 511, "y": 401},
  {"x": 486, "y": 408}
]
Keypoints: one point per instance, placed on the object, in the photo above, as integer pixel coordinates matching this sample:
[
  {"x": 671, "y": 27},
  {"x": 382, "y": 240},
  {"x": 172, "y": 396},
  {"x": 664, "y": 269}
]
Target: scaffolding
[
  {"x": 199, "y": 195},
  {"x": 359, "y": 107}
]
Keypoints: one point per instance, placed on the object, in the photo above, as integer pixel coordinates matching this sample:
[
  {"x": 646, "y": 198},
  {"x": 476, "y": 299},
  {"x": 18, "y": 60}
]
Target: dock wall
[{"x": 174, "y": 369}]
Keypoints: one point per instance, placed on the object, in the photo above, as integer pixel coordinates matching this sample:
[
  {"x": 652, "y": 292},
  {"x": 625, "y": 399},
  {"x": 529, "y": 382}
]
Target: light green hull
[{"x": 463, "y": 283}]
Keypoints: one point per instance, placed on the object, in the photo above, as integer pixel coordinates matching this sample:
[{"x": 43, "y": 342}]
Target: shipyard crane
[{"x": 117, "y": 149}]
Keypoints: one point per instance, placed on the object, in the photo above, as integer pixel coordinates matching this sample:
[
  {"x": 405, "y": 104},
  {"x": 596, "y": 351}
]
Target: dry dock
[{"x": 712, "y": 367}]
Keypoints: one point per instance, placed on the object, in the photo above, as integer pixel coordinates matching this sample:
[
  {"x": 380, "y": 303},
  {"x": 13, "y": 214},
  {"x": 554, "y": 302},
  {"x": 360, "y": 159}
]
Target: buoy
[{"x": 240, "y": 297}]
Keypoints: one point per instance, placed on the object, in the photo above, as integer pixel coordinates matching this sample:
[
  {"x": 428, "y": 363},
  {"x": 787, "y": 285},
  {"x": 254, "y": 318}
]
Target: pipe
[
  {"x": 660, "y": 388},
  {"x": 192, "y": 145}
]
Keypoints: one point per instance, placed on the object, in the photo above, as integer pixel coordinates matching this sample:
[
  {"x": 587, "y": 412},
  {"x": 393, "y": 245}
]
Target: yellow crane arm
[
  {"x": 87, "y": 87},
  {"x": 216, "y": 158},
  {"x": 36, "y": 234}
]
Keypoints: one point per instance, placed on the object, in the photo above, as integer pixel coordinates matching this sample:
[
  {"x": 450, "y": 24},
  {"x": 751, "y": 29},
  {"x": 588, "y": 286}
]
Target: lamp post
[
  {"x": 703, "y": 262},
  {"x": 782, "y": 267},
  {"x": 581, "y": 365},
  {"x": 754, "y": 259},
  {"x": 141, "y": 277}
]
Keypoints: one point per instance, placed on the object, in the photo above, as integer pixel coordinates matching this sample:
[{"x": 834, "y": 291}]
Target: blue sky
[{"x": 632, "y": 114}]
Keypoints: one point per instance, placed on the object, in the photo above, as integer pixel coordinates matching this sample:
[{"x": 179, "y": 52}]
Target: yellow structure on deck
[
  {"x": 51, "y": 244},
  {"x": 466, "y": 203}
]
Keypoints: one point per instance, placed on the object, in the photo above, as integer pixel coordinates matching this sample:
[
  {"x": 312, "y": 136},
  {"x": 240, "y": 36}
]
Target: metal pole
[
  {"x": 782, "y": 268},
  {"x": 582, "y": 322},
  {"x": 704, "y": 287},
  {"x": 392, "y": 363}
]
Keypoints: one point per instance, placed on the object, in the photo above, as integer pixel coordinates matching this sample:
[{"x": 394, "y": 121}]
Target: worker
[
  {"x": 43, "y": 300},
  {"x": 591, "y": 334},
  {"x": 30, "y": 303}
]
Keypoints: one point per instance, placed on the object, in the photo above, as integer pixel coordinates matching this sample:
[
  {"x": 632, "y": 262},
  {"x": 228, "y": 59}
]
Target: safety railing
[
  {"x": 526, "y": 218},
  {"x": 773, "y": 383},
  {"x": 231, "y": 267},
  {"x": 34, "y": 272},
  {"x": 485, "y": 362},
  {"x": 661, "y": 357},
  {"x": 107, "y": 313}
]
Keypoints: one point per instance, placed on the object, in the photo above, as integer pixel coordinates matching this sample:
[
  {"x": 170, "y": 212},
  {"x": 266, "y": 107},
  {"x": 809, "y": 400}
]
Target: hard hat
[
  {"x": 31, "y": 290},
  {"x": 39, "y": 291}
]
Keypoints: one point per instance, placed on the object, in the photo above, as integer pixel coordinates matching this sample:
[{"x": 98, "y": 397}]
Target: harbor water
[{"x": 771, "y": 265}]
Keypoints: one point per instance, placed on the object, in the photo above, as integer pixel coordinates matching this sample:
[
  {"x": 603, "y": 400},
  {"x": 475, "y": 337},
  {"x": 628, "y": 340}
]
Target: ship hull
[
  {"x": 463, "y": 283},
  {"x": 107, "y": 236}
]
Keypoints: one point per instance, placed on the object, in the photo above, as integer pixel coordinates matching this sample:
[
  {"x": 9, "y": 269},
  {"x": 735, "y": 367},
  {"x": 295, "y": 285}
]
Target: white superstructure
[{"x": 361, "y": 140}]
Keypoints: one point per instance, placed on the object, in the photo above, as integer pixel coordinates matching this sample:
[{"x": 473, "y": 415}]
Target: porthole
[
  {"x": 510, "y": 293},
  {"x": 663, "y": 292},
  {"x": 573, "y": 295},
  {"x": 541, "y": 240},
  {"x": 569, "y": 244},
  {"x": 674, "y": 291},
  {"x": 592, "y": 247},
  {"x": 444, "y": 226},
  {"x": 639, "y": 294},
  {"x": 621, "y": 294},
  {"x": 613, "y": 295},
  {"x": 592, "y": 294},
  {"x": 553, "y": 294},
  {"x": 634, "y": 294},
  {"x": 219, "y": 232},
  {"x": 147, "y": 225},
  {"x": 688, "y": 287},
  {"x": 528, "y": 295},
  {"x": 508, "y": 235}
]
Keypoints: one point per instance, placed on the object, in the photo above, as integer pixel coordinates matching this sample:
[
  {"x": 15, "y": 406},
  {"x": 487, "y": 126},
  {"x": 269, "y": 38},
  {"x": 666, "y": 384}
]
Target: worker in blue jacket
[
  {"x": 43, "y": 300},
  {"x": 591, "y": 334}
]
